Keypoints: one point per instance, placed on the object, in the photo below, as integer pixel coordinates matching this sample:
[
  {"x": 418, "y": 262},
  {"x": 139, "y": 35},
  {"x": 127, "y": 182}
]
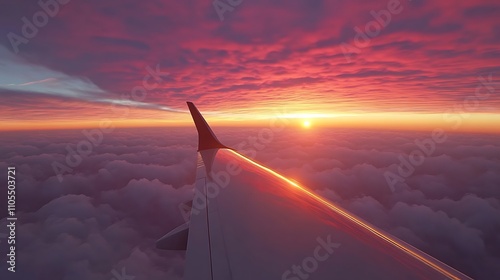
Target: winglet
[{"x": 206, "y": 137}]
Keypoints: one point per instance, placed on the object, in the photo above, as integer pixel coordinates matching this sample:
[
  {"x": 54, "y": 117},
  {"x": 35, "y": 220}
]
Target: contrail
[{"x": 34, "y": 82}]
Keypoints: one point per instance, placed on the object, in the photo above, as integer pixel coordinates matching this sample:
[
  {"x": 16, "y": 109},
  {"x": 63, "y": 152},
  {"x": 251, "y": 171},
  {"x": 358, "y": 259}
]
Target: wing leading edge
[{"x": 249, "y": 222}]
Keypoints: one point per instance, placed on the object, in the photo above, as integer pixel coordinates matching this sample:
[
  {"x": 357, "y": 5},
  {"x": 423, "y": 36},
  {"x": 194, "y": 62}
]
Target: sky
[{"x": 389, "y": 64}]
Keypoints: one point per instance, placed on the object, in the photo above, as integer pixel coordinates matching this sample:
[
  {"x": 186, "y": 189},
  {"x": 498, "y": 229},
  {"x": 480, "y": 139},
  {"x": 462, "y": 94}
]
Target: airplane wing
[{"x": 248, "y": 222}]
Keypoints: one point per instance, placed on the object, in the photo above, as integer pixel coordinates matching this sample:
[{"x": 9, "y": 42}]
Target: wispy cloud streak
[{"x": 21, "y": 76}]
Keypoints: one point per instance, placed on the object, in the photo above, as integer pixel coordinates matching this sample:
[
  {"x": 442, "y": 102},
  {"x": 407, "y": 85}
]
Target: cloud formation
[
  {"x": 108, "y": 213},
  {"x": 37, "y": 79}
]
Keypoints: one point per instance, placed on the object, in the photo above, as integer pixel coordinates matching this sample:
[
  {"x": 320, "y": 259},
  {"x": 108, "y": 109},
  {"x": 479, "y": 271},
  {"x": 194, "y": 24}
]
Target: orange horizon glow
[{"x": 474, "y": 122}]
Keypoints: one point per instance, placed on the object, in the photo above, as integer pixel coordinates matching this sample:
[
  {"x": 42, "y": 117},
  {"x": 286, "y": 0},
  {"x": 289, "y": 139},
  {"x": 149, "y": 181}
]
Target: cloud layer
[{"x": 107, "y": 213}]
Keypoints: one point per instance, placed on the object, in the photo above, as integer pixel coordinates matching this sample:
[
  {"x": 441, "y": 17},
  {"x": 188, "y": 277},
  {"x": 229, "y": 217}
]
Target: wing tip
[{"x": 206, "y": 137}]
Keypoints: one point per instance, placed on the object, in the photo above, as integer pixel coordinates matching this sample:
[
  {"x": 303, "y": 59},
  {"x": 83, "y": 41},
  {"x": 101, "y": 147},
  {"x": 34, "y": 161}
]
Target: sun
[{"x": 306, "y": 123}]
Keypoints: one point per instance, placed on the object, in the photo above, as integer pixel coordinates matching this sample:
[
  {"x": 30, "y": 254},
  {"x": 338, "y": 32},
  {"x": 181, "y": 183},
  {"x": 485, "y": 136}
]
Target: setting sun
[{"x": 306, "y": 124}]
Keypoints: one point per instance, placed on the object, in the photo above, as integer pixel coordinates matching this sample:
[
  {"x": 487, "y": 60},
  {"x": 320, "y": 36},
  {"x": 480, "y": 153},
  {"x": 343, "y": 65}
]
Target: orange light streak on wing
[{"x": 407, "y": 248}]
